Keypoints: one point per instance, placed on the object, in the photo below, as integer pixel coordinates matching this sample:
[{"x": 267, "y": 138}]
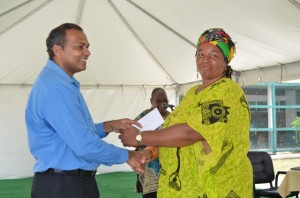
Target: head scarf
[{"x": 221, "y": 39}]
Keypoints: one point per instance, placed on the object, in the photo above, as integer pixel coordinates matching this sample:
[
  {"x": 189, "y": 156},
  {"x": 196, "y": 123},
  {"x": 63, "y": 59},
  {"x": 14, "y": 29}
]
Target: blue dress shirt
[{"x": 61, "y": 131}]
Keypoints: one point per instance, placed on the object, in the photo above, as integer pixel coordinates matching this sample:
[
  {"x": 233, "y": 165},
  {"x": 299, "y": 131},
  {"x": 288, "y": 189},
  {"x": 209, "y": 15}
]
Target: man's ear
[
  {"x": 57, "y": 49},
  {"x": 152, "y": 102}
]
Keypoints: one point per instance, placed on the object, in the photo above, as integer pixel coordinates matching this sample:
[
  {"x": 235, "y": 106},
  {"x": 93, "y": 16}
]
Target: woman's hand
[{"x": 128, "y": 136}]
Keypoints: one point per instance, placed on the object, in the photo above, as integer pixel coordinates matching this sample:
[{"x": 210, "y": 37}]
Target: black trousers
[
  {"x": 150, "y": 195},
  {"x": 63, "y": 186}
]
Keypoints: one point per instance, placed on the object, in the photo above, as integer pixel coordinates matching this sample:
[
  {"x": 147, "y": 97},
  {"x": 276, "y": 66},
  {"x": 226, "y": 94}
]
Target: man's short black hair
[{"x": 57, "y": 36}]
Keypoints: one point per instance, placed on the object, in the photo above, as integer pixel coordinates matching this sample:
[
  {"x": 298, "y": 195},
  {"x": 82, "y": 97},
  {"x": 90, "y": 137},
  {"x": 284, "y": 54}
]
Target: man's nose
[{"x": 87, "y": 52}]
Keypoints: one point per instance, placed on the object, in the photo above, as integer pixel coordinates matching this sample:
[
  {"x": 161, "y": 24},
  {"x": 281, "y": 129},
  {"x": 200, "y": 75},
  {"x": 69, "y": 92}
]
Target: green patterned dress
[{"x": 221, "y": 115}]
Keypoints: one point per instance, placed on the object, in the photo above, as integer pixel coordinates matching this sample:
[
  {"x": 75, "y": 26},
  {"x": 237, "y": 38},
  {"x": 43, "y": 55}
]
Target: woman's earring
[{"x": 197, "y": 73}]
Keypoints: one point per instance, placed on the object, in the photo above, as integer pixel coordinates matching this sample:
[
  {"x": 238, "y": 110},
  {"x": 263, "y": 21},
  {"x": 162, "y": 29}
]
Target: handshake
[{"x": 136, "y": 159}]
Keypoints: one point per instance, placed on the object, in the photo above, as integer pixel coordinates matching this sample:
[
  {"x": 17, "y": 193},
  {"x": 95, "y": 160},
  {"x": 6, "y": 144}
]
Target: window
[{"x": 273, "y": 116}]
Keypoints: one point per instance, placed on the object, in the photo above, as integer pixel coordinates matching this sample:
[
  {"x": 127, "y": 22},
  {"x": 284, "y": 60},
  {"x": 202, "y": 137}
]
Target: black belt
[{"x": 77, "y": 172}]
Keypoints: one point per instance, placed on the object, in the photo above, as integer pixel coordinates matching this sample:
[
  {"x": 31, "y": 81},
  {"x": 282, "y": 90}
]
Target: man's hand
[
  {"x": 121, "y": 124},
  {"x": 147, "y": 155},
  {"x": 137, "y": 161},
  {"x": 128, "y": 136}
]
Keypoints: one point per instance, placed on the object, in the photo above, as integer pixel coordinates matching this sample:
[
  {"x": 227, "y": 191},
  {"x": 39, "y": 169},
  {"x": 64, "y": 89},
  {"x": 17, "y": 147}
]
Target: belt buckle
[{"x": 84, "y": 173}]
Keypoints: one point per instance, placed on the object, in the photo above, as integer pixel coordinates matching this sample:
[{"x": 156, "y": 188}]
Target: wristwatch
[{"x": 139, "y": 139}]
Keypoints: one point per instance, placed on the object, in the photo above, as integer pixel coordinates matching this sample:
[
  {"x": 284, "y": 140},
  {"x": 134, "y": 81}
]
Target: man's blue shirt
[{"x": 61, "y": 131}]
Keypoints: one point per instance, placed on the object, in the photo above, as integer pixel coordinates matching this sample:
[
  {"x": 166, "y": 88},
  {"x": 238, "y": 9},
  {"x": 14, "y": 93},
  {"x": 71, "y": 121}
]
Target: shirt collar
[{"x": 57, "y": 69}]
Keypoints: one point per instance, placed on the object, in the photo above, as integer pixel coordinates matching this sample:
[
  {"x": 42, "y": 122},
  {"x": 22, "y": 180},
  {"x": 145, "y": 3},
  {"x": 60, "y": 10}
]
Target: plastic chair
[{"x": 263, "y": 172}]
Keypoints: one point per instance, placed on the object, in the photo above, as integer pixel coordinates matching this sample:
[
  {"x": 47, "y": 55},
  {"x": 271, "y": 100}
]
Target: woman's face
[{"x": 210, "y": 62}]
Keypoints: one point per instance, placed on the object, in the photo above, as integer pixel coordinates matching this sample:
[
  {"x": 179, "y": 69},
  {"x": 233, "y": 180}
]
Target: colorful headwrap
[{"x": 221, "y": 39}]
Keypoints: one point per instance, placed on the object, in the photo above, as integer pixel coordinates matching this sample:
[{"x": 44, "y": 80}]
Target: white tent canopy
[{"x": 136, "y": 45}]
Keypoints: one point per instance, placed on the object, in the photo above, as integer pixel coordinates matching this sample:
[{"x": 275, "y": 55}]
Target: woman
[{"x": 204, "y": 142}]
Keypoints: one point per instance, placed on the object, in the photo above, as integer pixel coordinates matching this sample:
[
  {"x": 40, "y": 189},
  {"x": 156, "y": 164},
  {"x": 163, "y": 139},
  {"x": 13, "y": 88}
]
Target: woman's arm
[{"x": 175, "y": 136}]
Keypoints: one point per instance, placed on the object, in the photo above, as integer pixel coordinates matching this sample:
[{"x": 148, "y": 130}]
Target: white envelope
[{"x": 151, "y": 121}]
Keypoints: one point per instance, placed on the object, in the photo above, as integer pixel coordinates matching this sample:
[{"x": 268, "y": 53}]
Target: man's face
[
  {"x": 73, "y": 55},
  {"x": 158, "y": 99}
]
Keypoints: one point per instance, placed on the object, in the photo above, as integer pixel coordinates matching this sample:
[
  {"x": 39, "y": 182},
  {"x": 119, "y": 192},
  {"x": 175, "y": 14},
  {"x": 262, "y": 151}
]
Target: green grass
[
  {"x": 117, "y": 185},
  {"x": 111, "y": 185},
  {"x": 15, "y": 188}
]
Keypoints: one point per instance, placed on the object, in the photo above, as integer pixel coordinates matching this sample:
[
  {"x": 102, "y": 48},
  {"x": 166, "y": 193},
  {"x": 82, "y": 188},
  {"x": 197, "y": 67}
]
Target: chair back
[{"x": 262, "y": 165}]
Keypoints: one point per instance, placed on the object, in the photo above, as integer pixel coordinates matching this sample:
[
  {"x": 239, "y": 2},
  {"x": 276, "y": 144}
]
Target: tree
[{"x": 296, "y": 124}]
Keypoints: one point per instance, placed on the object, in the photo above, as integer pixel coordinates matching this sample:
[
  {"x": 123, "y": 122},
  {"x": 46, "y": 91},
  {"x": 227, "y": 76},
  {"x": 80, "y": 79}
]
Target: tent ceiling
[
  {"x": 135, "y": 43},
  {"x": 142, "y": 42}
]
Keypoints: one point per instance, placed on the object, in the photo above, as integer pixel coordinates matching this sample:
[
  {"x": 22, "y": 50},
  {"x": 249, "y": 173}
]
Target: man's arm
[{"x": 117, "y": 125}]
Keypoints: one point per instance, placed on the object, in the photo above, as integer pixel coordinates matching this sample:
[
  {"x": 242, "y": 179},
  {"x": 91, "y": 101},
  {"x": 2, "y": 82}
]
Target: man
[
  {"x": 147, "y": 182},
  {"x": 62, "y": 136}
]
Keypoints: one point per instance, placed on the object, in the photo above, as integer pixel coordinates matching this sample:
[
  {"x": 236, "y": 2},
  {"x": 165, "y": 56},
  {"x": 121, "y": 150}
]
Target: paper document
[{"x": 151, "y": 121}]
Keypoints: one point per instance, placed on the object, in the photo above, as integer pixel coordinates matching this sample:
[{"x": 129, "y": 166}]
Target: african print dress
[
  {"x": 221, "y": 115},
  {"x": 149, "y": 179}
]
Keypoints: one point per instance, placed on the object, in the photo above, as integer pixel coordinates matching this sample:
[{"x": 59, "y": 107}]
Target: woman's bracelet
[{"x": 153, "y": 150}]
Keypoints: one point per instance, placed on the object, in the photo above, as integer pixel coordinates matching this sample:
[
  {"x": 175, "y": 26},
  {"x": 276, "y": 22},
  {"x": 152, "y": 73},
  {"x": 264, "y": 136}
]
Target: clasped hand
[
  {"x": 128, "y": 136},
  {"x": 137, "y": 160}
]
